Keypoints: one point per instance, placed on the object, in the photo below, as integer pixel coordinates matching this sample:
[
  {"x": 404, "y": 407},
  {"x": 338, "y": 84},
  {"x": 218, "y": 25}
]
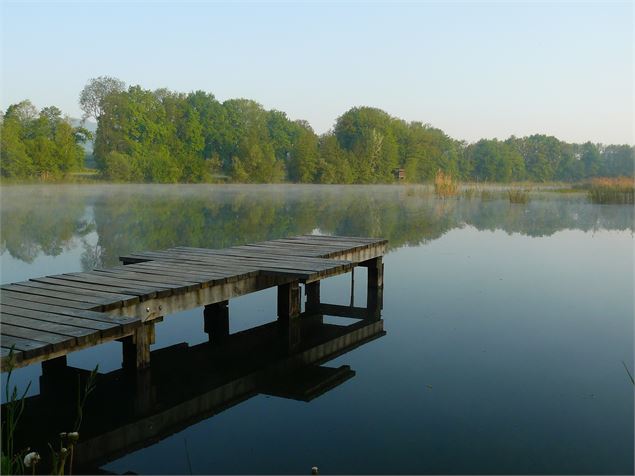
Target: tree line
[
  {"x": 39, "y": 143},
  {"x": 165, "y": 136}
]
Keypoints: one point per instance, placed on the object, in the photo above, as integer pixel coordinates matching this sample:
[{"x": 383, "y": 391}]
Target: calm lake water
[{"x": 506, "y": 325}]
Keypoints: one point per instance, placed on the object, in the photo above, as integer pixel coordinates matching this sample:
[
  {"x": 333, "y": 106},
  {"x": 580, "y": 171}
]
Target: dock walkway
[{"x": 43, "y": 319}]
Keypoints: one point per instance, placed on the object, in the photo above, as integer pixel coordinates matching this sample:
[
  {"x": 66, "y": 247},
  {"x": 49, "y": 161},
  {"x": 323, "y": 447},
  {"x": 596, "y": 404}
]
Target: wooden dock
[{"x": 46, "y": 318}]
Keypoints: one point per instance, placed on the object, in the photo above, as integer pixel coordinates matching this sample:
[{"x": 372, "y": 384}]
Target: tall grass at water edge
[
  {"x": 23, "y": 461},
  {"x": 518, "y": 196},
  {"x": 445, "y": 185},
  {"x": 619, "y": 190}
]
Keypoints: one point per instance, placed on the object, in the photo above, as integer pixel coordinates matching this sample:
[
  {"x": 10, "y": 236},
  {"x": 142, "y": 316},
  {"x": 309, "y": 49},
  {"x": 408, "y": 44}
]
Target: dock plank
[
  {"x": 105, "y": 327},
  {"x": 55, "y": 294},
  {"x": 82, "y": 335},
  {"x": 46, "y": 300},
  {"x": 28, "y": 348},
  {"x": 148, "y": 280},
  {"x": 126, "y": 323},
  {"x": 143, "y": 291},
  {"x": 58, "y": 342},
  {"x": 107, "y": 296},
  {"x": 103, "y": 287}
]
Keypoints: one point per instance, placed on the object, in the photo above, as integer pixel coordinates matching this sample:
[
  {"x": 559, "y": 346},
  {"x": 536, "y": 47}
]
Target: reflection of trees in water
[
  {"x": 137, "y": 218},
  {"x": 34, "y": 221},
  {"x": 219, "y": 220},
  {"x": 546, "y": 215}
]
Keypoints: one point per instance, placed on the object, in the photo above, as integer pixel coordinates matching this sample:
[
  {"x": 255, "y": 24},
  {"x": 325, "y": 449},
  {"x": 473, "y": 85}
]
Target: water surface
[{"x": 506, "y": 325}]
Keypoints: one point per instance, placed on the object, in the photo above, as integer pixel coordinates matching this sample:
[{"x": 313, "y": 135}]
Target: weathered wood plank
[
  {"x": 103, "y": 288},
  {"x": 82, "y": 335},
  {"x": 219, "y": 274},
  {"x": 27, "y": 347},
  {"x": 246, "y": 250},
  {"x": 345, "y": 239},
  {"x": 46, "y": 300},
  {"x": 105, "y": 327},
  {"x": 143, "y": 291},
  {"x": 56, "y": 294},
  {"x": 146, "y": 279},
  {"x": 171, "y": 272},
  {"x": 57, "y": 341},
  {"x": 6, "y": 352},
  {"x": 305, "y": 261},
  {"x": 271, "y": 262},
  {"x": 127, "y": 323},
  {"x": 230, "y": 270},
  {"x": 121, "y": 276},
  {"x": 107, "y": 296}
]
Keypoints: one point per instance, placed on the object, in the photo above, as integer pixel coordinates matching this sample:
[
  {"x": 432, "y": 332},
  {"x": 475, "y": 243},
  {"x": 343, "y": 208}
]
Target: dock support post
[
  {"x": 54, "y": 365},
  {"x": 53, "y": 376},
  {"x": 312, "y": 291},
  {"x": 352, "y": 287},
  {"x": 375, "y": 272},
  {"x": 288, "y": 300},
  {"x": 216, "y": 321},
  {"x": 136, "y": 348},
  {"x": 375, "y": 286}
]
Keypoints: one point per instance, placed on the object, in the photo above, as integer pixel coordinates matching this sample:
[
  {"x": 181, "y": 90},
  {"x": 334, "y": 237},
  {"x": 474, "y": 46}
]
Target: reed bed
[
  {"x": 619, "y": 190},
  {"x": 518, "y": 196},
  {"x": 445, "y": 185}
]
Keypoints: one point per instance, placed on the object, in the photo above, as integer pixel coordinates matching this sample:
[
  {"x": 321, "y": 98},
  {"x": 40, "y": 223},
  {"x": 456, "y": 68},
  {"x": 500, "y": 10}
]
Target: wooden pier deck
[{"x": 43, "y": 319}]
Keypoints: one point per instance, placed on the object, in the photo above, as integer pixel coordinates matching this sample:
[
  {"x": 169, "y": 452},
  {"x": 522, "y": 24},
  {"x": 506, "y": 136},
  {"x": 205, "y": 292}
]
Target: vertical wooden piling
[
  {"x": 312, "y": 291},
  {"x": 375, "y": 272},
  {"x": 375, "y": 285},
  {"x": 54, "y": 365},
  {"x": 288, "y": 300},
  {"x": 136, "y": 348},
  {"x": 54, "y": 371},
  {"x": 216, "y": 321}
]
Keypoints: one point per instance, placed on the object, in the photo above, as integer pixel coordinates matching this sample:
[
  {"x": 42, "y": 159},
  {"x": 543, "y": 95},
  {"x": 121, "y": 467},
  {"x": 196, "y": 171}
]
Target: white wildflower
[{"x": 31, "y": 459}]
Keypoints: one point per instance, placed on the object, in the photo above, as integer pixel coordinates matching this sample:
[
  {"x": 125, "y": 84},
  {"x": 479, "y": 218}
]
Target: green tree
[
  {"x": 427, "y": 150},
  {"x": 591, "y": 159},
  {"x": 496, "y": 161},
  {"x": 92, "y": 96},
  {"x": 41, "y": 144},
  {"x": 302, "y": 163},
  {"x": 618, "y": 160},
  {"x": 334, "y": 162},
  {"x": 15, "y": 162},
  {"x": 368, "y": 134}
]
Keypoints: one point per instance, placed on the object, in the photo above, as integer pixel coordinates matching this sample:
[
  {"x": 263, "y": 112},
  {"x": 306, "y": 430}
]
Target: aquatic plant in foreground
[{"x": 12, "y": 462}]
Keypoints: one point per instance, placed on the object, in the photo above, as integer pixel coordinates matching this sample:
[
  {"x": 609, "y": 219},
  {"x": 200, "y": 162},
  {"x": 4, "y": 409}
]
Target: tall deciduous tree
[{"x": 96, "y": 90}]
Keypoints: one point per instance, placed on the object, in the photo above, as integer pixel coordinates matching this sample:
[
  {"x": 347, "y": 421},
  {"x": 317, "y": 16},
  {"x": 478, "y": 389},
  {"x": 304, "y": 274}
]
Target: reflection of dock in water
[{"x": 186, "y": 384}]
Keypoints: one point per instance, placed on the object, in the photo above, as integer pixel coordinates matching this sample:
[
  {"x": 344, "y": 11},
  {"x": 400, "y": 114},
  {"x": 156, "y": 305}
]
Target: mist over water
[{"x": 507, "y": 324}]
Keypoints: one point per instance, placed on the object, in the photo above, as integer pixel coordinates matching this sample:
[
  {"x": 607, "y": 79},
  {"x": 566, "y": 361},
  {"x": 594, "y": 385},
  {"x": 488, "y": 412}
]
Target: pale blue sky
[{"x": 473, "y": 69}]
